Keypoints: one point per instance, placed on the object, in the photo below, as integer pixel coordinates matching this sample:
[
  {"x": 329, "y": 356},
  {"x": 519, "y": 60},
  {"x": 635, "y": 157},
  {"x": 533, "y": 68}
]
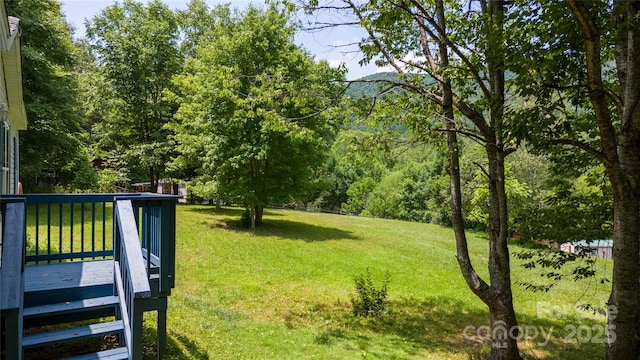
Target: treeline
[
  {"x": 227, "y": 102},
  {"x": 388, "y": 173},
  {"x": 221, "y": 98}
]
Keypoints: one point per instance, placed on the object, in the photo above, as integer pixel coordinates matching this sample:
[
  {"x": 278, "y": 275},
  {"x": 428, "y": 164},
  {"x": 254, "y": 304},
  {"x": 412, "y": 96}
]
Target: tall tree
[
  {"x": 51, "y": 147},
  {"x": 198, "y": 23},
  {"x": 136, "y": 47},
  {"x": 462, "y": 49},
  {"x": 255, "y": 110},
  {"x": 588, "y": 75}
]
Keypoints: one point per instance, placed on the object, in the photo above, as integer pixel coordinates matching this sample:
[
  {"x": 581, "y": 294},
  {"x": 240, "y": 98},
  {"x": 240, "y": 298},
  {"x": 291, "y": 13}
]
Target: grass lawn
[{"x": 284, "y": 292}]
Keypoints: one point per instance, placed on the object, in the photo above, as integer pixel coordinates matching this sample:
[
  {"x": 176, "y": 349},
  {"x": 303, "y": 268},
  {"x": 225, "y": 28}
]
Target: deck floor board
[{"x": 44, "y": 277}]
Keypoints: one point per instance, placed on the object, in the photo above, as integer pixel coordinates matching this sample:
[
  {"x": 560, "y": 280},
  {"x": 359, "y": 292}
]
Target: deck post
[
  {"x": 137, "y": 330},
  {"x": 168, "y": 245},
  {"x": 13, "y": 321},
  {"x": 162, "y": 332},
  {"x": 11, "y": 274}
]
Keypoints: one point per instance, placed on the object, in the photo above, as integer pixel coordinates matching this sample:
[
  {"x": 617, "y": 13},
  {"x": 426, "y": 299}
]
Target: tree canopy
[
  {"x": 137, "y": 53},
  {"x": 51, "y": 150},
  {"x": 256, "y": 110}
]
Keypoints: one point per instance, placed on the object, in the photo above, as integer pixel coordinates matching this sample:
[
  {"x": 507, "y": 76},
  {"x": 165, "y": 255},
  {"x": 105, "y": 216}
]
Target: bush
[
  {"x": 245, "y": 221},
  {"x": 359, "y": 193},
  {"x": 370, "y": 301}
]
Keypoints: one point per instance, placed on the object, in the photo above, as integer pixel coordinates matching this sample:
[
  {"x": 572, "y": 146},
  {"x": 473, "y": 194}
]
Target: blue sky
[{"x": 329, "y": 44}]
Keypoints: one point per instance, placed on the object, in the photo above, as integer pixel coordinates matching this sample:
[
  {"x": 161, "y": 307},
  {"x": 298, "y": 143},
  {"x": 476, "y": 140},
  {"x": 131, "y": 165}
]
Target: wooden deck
[
  {"x": 87, "y": 295},
  {"x": 50, "y": 283},
  {"x": 68, "y": 275}
]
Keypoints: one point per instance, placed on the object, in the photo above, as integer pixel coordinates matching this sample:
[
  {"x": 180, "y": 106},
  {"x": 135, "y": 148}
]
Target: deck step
[
  {"x": 120, "y": 353},
  {"x": 56, "y": 283},
  {"x": 82, "y": 332},
  {"x": 71, "y": 307}
]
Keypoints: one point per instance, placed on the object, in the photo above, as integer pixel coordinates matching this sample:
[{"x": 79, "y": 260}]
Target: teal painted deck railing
[
  {"x": 158, "y": 228},
  {"x": 69, "y": 227},
  {"x": 11, "y": 274},
  {"x": 137, "y": 231},
  {"x": 130, "y": 277},
  {"x": 80, "y": 227}
]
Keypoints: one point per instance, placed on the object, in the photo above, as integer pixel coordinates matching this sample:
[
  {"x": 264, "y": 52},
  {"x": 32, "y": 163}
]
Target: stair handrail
[
  {"x": 156, "y": 214},
  {"x": 11, "y": 274},
  {"x": 12, "y": 258},
  {"x": 130, "y": 274}
]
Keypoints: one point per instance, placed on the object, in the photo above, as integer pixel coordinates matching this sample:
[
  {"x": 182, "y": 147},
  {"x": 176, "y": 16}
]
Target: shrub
[
  {"x": 245, "y": 221},
  {"x": 370, "y": 300},
  {"x": 359, "y": 193}
]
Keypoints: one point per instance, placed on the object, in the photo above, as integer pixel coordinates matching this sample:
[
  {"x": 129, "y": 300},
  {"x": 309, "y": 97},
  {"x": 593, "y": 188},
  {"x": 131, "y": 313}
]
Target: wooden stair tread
[
  {"x": 82, "y": 332},
  {"x": 120, "y": 353},
  {"x": 71, "y": 306},
  {"x": 48, "y": 277}
]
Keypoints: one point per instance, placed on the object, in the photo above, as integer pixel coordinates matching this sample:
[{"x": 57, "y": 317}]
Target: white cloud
[
  {"x": 335, "y": 63},
  {"x": 404, "y": 64}
]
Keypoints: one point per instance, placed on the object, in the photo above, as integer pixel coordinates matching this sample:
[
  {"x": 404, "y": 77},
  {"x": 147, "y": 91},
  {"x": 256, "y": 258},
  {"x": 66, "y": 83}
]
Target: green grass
[
  {"x": 284, "y": 292},
  {"x": 62, "y": 227}
]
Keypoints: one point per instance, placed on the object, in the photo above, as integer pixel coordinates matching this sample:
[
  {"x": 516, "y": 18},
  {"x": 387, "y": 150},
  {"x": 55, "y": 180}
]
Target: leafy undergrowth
[{"x": 284, "y": 292}]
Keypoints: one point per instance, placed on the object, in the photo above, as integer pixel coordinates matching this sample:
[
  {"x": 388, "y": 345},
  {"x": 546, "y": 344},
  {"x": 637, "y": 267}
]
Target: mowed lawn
[{"x": 284, "y": 292}]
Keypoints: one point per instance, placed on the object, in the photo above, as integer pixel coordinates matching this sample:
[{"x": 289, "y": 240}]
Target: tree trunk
[
  {"x": 253, "y": 218},
  {"x": 258, "y": 210},
  {"x": 498, "y": 295},
  {"x": 256, "y": 215},
  {"x": 621, "y": 157},
  {"x": 624, "y": 302},
  {"x": 504, "y": 325},
  {"x": 622, "y": 329},
  {"x": 152, "y": 183}
]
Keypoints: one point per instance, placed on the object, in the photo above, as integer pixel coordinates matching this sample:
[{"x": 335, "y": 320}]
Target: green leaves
[
  {"x": 136, "y": 47},
  {"x": 51, "y": 147},
  {"x": 256, "y": 110}
]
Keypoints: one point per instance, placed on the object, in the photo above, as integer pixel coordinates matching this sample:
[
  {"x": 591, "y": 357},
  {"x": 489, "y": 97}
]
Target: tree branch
[
  {"x": 581, "y": 145},
  {"x": 475, "y": 73},
  {"x": 466, "y": 133}
]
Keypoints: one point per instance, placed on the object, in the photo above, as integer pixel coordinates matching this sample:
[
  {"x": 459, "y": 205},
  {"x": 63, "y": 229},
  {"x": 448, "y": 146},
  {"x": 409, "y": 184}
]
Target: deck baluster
[
  {"x": 60, "y": 219},
  {"x": 71, "y": 221},
  {"x": 93, "y": 230},
  {"x": 82, "y": 208},
  {"x": 37, "y": 250},
  {"x": 104, "y": 228},
  {"x": 48, "y": 231}
]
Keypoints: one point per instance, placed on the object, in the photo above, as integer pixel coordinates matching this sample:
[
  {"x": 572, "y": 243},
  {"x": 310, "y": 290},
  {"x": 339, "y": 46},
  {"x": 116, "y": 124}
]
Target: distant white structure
[
  {"x": 165, "y": 186},
  {"x": 602, "y": 249}
]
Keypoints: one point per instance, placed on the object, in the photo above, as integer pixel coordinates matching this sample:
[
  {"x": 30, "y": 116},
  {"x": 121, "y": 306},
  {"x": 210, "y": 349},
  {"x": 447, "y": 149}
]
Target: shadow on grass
[
  {"x": 226, "y": 211},
  {"x": 179, "y": 346},
  {"x": 229, "y": 219},
  {"x": 293, "y": 230},
  {"x": 441, "y": 324}
]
